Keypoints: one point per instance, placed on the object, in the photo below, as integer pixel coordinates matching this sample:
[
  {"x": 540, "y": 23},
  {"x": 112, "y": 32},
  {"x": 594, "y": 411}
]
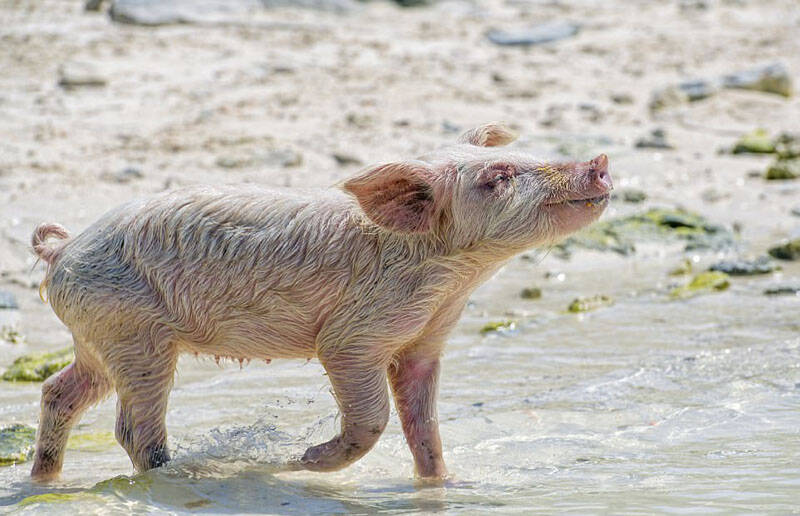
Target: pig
[{"x": 369, "y": 277}]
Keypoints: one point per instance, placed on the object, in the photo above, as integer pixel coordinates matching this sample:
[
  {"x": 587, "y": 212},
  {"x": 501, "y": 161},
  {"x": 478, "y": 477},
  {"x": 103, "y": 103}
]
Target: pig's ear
[
  {"x": 396, "y": 196},
  {"x": 494, "y": 134}
]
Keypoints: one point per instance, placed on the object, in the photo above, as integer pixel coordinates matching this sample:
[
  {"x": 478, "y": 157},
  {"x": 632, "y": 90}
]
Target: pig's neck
[{"x": 460, "y": 267}]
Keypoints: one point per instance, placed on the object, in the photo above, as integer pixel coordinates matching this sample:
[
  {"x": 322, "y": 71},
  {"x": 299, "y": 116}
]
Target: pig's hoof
[
  {"x": 42, "y": 477},
  {"x": 323, "y": 457}
]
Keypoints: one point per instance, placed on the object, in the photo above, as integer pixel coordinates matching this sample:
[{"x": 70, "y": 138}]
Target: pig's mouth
[{"x": 582, "y": 201}]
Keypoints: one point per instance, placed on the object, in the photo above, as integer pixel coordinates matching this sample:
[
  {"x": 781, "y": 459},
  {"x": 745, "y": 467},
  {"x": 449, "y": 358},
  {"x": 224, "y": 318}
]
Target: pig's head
[{"x": 479, "y": 193}]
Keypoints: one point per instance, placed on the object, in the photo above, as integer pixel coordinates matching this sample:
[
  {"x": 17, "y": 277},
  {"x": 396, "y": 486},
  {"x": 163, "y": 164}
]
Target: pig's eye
[{"x": 498, "y": 180}]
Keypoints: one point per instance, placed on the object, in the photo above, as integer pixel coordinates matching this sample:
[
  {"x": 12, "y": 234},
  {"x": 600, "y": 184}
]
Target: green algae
[
  {"x": 55, "y": 498},
  {"x": 587, "y": 304},
  {"x": 783, "y": 169},
  {"x": 506, "y": 326},
  {"x": 38, "y": 367},
  {"x": 684, "y": 268},
  {"x": 620, "y": 234},
  {"x": 16, "y": 444},
  {"x": 531, "y": 293},
  {"x": 96, "y": 442},
  {"x": 11, "y": 335},
  {"x": 785, "y": 145},
  {"x": 756, "y": 142},
  {"x": 712, "y": 281},
  {"x": 786, "y": 251}
]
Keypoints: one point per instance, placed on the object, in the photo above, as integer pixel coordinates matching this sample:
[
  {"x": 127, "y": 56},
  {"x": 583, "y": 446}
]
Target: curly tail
[
  {"x": 44, "y": 251},
  {"x": 39, "y": 241}
]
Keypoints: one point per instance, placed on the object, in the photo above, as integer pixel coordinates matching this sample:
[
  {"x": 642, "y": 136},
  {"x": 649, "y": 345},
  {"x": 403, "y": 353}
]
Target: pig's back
[{"x": 222, "y": 253}]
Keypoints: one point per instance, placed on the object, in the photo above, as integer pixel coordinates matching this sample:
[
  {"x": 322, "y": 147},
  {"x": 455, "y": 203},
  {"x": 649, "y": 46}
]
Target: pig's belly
[{"x": 262, "y": 338}]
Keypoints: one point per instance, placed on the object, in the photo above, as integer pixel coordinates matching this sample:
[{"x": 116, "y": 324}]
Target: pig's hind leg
[
  {"x": 65, "y": 396},
  {"x": 143, "y": 373},
  {"x": 362, "y": 394}
]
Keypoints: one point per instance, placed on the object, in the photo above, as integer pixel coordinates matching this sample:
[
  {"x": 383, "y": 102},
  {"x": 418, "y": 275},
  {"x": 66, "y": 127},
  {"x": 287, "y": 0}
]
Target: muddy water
[{"x": 649, "y": 405}]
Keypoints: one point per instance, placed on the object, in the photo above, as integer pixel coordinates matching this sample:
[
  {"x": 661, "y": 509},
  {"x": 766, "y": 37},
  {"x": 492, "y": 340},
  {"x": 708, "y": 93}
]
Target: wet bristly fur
[{"x": 369, "y": 278}]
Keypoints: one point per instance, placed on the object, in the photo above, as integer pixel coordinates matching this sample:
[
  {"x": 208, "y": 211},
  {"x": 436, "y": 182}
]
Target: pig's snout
[{"x": 599, "y": 175}]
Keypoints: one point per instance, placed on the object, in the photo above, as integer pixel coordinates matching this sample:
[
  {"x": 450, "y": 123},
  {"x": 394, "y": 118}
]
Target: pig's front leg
[
  {"x": 415, "y": 382},
  {"x": 363, "y": 399}
]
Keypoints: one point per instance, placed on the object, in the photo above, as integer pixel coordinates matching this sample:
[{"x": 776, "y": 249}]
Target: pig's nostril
[{"x": 602, "y": 176}]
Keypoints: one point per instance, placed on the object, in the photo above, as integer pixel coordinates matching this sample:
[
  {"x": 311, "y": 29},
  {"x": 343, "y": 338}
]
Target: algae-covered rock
[
  {"x": 587, "y": 304},
  {"x": 786, "y": 251},
  {"x": 657, "y": 139},
  {"x": 712, "y": 281},
  {"x": 51, "y": 498},
  {"x": 16, "y": 444},
  {"x": 11, "y": 335},
  {"x": 619, "y": 235},
  {"x": 761, "y": 265},
  {"x": 756, "y": 142},
  {"x": 784, "y": 169},
  {"x": 38, "y": 367},
  {"x": 684, "y": 268},
  {"x": 772, "y": 78},
  {"x": 630, "y": 195},
  {"x": 531, "y": 293},
  {"x": 507, "y": 326},
  {"x": 787, "y": 145}
]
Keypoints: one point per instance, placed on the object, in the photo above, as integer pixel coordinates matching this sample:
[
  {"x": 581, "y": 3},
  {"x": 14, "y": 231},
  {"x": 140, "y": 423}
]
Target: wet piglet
[{"x": 368, "y": 277}]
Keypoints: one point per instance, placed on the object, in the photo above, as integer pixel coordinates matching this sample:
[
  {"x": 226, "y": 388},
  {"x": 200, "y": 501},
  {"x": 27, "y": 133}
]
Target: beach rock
[
  {"x": 413, "y": 3},
  {"x": 75, "y": 74},
  {"x": 504, "y": 327},
  {"x": 772, "y": 78},
  {"x": 756, "y": 142},
  {"x": 125, "y": 175},
  {"x": 344, "y": 159},
  {"x": 38, "y": 367},
  {"x": 789, "y": 250},
  {"x": 284, "y": 158},
  {"x": 537, "y": 35},
  {"x": 657, "y": 139},
  {"x": 16, "y": 444},
  {"x": 153, "y": 13},
  {"x": 587, "y": 304},
  {"x": 531, "y": 293},
  {"x": 689, "y": 91},
  {"x": 783, "y": 290},
  {"x": 787, "y": 145},
  {"x": 622, "y": 98},
  {"x": 8, "y": 301},
  {"x": 92, "y": 5},
  {"x": 761, "y": 265},
  {"x": 630, "y": 195},
  {"x": 704, "y": 282},
  {"x": 783, "y": 169}
]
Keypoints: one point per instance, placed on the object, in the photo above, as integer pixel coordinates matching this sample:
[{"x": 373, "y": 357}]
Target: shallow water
[{"x": 649, "y": 405}]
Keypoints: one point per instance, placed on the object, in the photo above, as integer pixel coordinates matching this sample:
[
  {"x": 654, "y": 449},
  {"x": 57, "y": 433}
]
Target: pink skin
[{"x": 369, "y": 278}]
